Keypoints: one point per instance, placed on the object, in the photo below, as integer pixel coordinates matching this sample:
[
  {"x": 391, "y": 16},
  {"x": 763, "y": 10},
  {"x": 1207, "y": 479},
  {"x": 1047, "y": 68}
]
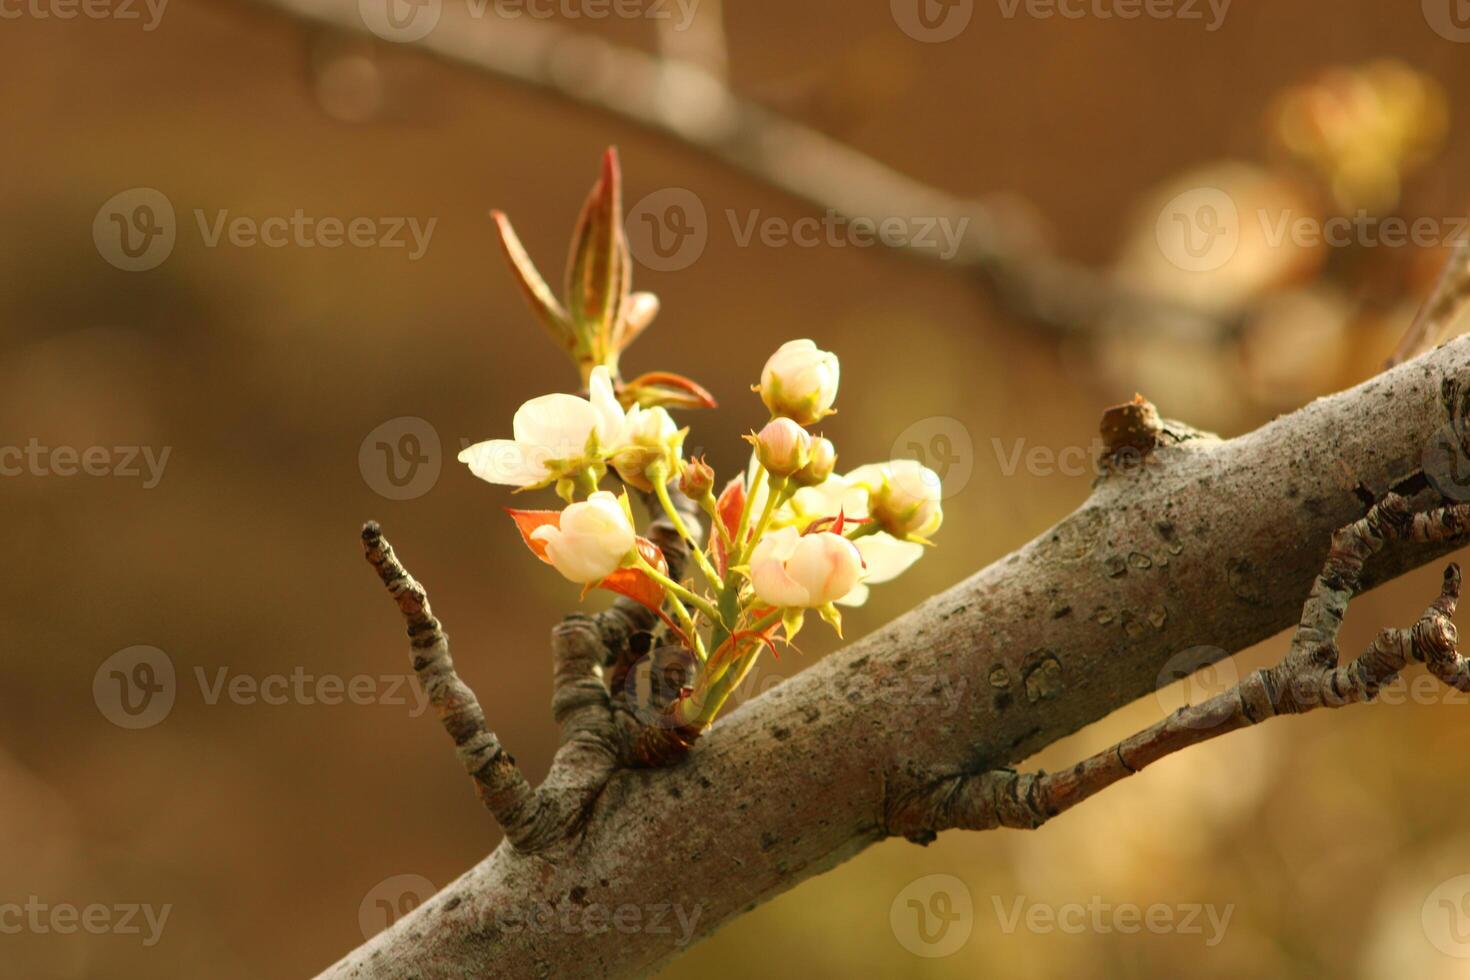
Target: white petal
[
  {"x": 887, "y": 557},
  {"x": 559, "y": 423},
  {"x": 856, "y": 597},
  {"x": 506, "y": 462},
  {"x": 609, "y": 411}
]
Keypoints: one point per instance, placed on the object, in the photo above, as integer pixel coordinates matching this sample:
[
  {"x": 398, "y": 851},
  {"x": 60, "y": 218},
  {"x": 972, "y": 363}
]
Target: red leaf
[
  {"x": 637, "y": 585},
  {"x": 729, "y": 507},
  {"x": 537, "y": 293},
  {"x": 669, "y": 390},
  {"x": 528, "y": 521},
  {"x": 599, "y": 271}
]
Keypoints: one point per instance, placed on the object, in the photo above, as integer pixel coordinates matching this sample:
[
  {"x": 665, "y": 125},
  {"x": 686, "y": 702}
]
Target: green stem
[
  {"x": 737, "y": 552},
  {"x": 677, "y": 590},
  {"x": 661, "y": 488}
]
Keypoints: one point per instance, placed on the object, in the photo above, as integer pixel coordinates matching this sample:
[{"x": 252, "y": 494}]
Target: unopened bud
[
  {"x": 783, "y": 447},
  {"x": 697, "y": 480},
  {"x": 823, "y": 461}
]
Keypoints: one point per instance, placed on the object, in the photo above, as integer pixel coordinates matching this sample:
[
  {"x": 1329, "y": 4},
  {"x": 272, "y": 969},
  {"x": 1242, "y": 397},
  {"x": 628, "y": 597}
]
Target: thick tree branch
[
  {"x": 1309, "y": 678},
  {"x": 1197, "y": 541}
]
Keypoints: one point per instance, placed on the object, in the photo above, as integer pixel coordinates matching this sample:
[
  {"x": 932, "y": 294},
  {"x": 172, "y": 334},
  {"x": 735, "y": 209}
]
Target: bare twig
[{"x": 502, "y": 788}]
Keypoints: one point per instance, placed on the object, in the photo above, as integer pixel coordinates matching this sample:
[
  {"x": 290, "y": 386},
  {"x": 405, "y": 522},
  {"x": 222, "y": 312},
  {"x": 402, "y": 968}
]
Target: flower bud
[
  {"x": 790, "y": 570},
  {"x": 697, "y": 480},
  {"x": 593, "y": 539},
  {"x": 800, "y": 382},
  {"x": 649, "y": 437},
  {"x": 903, "y": 497},
  {"x": 783, "y": 447},
  {"x": 820, "y": 466}
]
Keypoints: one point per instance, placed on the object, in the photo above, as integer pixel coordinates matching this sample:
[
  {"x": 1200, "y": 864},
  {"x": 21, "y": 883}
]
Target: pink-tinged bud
[
  {"x": 800, "y": 382},
  {"x": 823, "y": 461},
  {"x": 593, "y": 539},
  {"x": 697, "y": 480},
  {"x": 790, "y": 570},
  {"x": 783, "y": 447}
]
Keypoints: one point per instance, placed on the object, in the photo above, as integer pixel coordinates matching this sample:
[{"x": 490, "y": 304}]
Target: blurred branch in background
[{"x": 1239, "y": 286}]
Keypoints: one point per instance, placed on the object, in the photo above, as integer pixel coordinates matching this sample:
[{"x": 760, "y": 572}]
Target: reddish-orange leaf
[
  {"x": 729, "y": 507},
  {"x": 528, "y": 521},
  {"x": 537, "y": 293},
  {"x": 669, "y": 390}
]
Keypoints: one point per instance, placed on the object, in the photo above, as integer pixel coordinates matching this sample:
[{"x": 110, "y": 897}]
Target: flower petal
[
  {"x": 506, "y": 462},
  {"x": 558, "y": 423}
]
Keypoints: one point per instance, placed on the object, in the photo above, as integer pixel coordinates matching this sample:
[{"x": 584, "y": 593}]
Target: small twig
[
  {"x": 1309, "y": 677},
  {"x": 502, "y": 788}
]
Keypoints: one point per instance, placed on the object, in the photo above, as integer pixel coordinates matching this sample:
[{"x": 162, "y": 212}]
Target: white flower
[
  {"x": 884, "y": 556},
  {"x": 555, "y": 436},
  {"x": 903, "y": 497},
  {"x": 800, "y": 382},
  {"x": 783, "y": 447},
  {"x": 594, "y": 537},
  {"x": 791, "y": 570},
  {"x": 647, "y": 436}
]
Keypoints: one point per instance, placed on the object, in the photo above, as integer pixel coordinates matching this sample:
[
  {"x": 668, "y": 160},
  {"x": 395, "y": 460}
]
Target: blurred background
[{"x": 208, "y": 751}]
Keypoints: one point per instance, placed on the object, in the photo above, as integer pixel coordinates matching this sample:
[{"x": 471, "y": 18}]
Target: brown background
[{"x": 267, "y": 827}]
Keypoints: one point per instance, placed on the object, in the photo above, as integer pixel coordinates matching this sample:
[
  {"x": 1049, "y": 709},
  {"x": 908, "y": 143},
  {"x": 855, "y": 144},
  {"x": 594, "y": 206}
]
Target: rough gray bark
[{"x": 1204, "y": 543}]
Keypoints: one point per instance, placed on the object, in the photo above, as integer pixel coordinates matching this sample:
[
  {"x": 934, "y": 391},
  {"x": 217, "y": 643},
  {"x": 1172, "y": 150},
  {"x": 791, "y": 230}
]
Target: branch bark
[{"x": 1196, "y": 542}]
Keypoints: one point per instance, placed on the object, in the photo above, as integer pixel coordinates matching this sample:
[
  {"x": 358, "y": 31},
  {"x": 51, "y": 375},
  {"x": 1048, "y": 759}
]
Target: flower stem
[
  {"x": 660, "y": 487},
  {"x": 678, "y": 591}
]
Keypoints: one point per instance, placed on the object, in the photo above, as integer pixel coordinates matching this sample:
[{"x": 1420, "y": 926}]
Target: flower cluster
[{"x": 787, "y": 536}]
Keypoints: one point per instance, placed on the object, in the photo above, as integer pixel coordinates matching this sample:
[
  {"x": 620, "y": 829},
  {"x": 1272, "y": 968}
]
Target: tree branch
[
  {"x": 694, "y": 106},
  {"x": 1187, "y": 541}
]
